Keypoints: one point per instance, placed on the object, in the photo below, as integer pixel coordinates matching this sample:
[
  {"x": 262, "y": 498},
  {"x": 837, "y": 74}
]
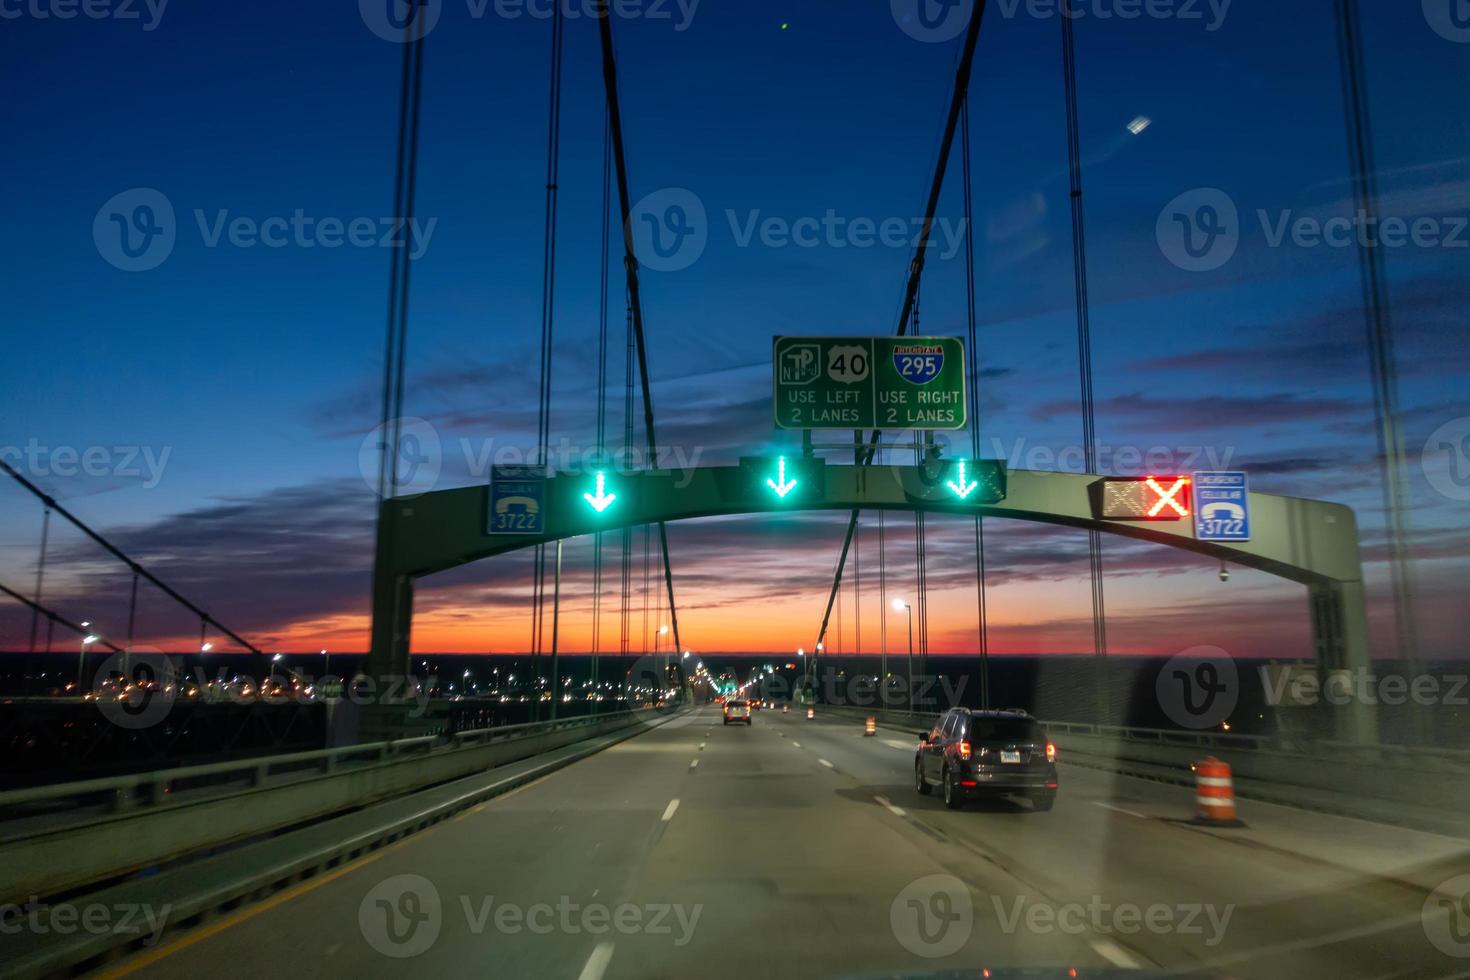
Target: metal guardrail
[
  {"x": 158, "y": 786},
  {"x": 55, "y": 838}
]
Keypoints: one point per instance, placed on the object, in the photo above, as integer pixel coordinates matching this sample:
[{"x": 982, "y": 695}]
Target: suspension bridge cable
[
  {"x": 1397, "y": 495},
  {"x": 916, "y": 265},
  {"x": 548, "y": 314},
  {"x": 602, "y": 341},
  {"x": 53, "y": 617},
  {"x": 405, "y": 179},
  {"x": 972, "y": 334},
  {"x": 117, "y": 553},
  {"x": 630, "y": 261},
  {"x": 1084, "y": 359}
]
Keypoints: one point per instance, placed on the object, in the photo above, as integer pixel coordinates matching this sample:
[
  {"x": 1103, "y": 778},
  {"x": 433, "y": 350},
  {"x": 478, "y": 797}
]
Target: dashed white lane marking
[
  {"x": 701, "y": 746},
  {"x": 694, "y": 763},
  {"x": 894, "y": 743},
  {"x": 825, "y": 763},
  {"x": 895, "y": 810},
  {"x": 669, "y": 811},
  {"x": 596, "y": 964},
  {"x": 1115, "y": 954},
  {"x": 795, "y": 744},
  {"x": 1118, "y": 809}
]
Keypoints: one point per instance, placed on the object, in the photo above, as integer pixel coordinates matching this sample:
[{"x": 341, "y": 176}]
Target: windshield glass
[{"x": 621, "y": 489}]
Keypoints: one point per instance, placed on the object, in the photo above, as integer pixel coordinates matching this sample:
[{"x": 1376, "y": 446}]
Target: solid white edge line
[
  {"x": 895, "y": 810},
  {"x": 1114, "y": 954},
  {"x": 1118, "y": 809},
  {"x": 669, "y": 810},
  {"x": 596, "y": 964}
]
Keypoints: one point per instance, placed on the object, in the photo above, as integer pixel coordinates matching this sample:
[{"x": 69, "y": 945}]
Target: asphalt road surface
[{"x": 797, "y": 848}]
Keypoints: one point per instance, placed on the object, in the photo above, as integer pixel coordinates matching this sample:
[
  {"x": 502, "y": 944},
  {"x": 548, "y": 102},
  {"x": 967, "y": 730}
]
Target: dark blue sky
[{"x": 257, "y": 368}]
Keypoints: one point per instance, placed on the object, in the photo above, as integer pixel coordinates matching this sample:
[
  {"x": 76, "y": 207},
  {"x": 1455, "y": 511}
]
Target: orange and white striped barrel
[
  {"x": 1214, "y": 793},
  {"x": 870, "y": 727}
]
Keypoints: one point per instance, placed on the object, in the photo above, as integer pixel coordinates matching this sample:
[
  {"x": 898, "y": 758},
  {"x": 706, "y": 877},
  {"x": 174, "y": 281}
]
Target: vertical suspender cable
[
  {"x": 410, "y": 103},
  {"x": 1084, "y": 361},
  {"x": 602, "y": 339},
  {"x": 630, "y": 262},
  {"x": 627, "y": 610},
  {"x": 1397, "y": 497},
  {"x": 882, "y": 617},
  {"x": 41, "y": 574},
  {"x": 916, "y": 266},
  {"x": 972, "y": 335},
  {"x": 548, "y": 313}
]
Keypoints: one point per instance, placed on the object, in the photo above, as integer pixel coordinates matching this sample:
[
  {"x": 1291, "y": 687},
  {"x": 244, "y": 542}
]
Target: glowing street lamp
[{"x": 899, "y": 604}]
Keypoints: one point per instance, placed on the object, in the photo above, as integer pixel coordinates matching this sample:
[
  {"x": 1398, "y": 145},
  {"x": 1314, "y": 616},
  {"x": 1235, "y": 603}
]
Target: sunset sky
[{"x": 230, "y": 390}]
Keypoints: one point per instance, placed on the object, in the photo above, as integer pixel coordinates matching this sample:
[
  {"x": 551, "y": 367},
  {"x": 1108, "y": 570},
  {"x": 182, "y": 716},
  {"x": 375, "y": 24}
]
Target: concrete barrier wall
[{"x": 45, "y": 860}]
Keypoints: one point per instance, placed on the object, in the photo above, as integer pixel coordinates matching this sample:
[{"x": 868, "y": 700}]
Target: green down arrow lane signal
[
  {"x": 600, "y": 500},
  {"x": 780, "y": 483},
  {"x": 962, "y": 487}
]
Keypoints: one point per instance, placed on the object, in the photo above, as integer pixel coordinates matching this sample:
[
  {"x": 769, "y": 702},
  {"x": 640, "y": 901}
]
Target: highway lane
[
  {"x": 799, "y": 849},
  {"x": 1117, "y": 840}
]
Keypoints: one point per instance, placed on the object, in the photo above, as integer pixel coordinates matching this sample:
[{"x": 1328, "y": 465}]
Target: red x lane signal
[{"x": 1146, "y": 498}]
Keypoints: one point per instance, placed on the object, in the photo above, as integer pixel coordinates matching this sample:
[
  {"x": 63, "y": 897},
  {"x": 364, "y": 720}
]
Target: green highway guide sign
[{"x": 869, "y": 383}]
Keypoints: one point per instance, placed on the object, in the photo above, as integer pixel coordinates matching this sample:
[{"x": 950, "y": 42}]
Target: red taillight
[
  {"x": 964, "y": 750},
  {"x": 1051, "y": 752}
]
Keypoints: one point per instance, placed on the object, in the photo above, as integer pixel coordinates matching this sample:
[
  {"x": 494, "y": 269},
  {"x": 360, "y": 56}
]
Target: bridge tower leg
[
  {"x": 392, "y": 606},
  {"x": 1340, "y": 634}
]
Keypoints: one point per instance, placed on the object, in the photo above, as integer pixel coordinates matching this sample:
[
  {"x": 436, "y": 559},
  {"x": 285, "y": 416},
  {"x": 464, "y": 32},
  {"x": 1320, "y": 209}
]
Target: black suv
[{"x": 974, "y": 753}]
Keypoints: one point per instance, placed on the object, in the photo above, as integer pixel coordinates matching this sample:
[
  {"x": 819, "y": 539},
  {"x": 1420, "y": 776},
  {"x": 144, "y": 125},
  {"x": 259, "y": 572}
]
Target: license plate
[{"x": 1006, "y": 757}]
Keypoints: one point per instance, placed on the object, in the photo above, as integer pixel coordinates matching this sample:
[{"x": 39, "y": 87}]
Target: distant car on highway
[
  {"x": 737, "y": 711},
  {"x": 987, "y": 753}
]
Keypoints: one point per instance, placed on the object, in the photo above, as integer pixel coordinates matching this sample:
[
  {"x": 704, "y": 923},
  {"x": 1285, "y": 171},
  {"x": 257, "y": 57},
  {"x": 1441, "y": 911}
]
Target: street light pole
[{"x": 900, "y": 604}]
